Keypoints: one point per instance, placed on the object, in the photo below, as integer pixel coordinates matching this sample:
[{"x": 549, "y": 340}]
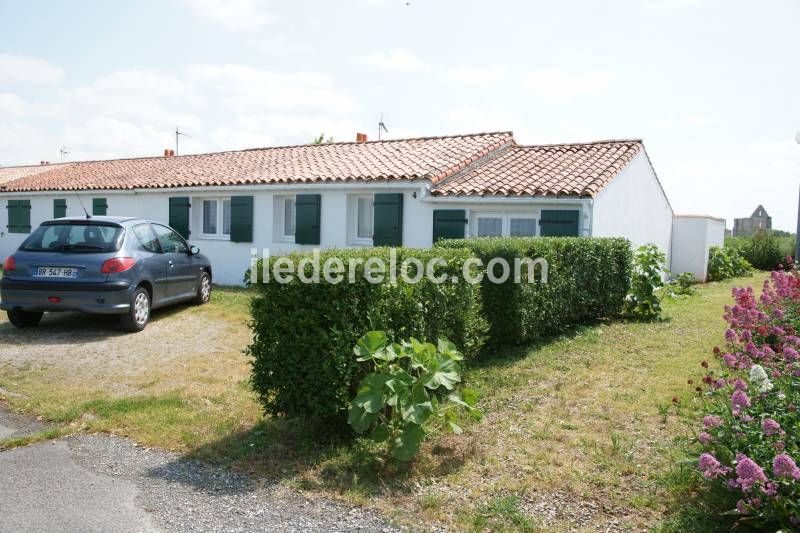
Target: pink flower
[
  {"x": 704, "y": 438},
  {"x": 711, "y": 468},
  {"x": 712, "y": 421},
  {"x": 771, "y": 489},
  {"x": 770, "y": 427},
  {"x": 784, "y": 466},
  {"x": 748, "y": 472},
  {"x": 739, "y": 400},
  {"x": 730, "y": 335},
  {"x": 729, "y": 359},
  {"x": 739, "y": 384}
]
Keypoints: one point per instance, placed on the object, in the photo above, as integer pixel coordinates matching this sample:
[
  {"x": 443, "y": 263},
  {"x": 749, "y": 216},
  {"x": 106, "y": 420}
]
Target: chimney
[
  {"x": 166, "y": 152},
  {"x": 172, "y": 153},
  {"x": 361, "y": 137},
  {"x": 41, "y": 162}
]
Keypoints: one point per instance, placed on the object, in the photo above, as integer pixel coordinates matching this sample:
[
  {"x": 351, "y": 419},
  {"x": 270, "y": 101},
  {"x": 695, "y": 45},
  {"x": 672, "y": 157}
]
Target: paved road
[{"x": 102, "y": 483}]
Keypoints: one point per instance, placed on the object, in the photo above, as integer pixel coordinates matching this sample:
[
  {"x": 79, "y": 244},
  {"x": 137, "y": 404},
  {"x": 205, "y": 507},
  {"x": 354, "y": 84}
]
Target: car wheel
[
  {"x": 203, "y": 290},
  {"x": 139, "y": 312},
  {"x": 24, "y": 319}
]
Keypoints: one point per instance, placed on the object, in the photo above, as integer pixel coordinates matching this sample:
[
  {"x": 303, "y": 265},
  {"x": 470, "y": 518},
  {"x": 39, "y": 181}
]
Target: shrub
[
  {"x": 764, "y": 250},
  {"x": 748, "y": 446},
  {"x": 683, "y": 285},
  {"x": 587, "y": 279},
  {"x": 303, "y": 333},
  {"x": 411, "y": 390},
  {"x": 726, "y": 262},
  {"x": 649, "y": 264}
]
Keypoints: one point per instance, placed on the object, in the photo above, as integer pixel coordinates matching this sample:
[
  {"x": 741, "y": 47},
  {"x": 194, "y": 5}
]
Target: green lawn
[{"x": 580, "y": 431}]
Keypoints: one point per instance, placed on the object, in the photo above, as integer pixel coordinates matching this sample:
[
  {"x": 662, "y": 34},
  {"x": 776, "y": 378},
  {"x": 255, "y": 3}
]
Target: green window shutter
[
  {"x": 559, "y": 223},
  {"x": 242, "y": 218},
  {"x": 19, "y": 216},
  {"x": 13, "y": 218},
  {"x": 59, "y": 208},
  {"x": 449, "y": 224},
  {"x": 179, "y": 215},
  {"x": 307, "y": 218},
  {"x": 387, "y": 229},
  {"x": 99, "y": 207}
]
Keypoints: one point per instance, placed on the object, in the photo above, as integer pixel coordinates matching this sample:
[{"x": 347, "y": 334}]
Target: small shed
[{"x": 692, "y": 237}]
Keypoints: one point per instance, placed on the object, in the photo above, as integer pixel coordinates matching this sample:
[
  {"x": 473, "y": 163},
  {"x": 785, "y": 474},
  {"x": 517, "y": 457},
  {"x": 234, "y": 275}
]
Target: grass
[{"x": 583, "y": 423}]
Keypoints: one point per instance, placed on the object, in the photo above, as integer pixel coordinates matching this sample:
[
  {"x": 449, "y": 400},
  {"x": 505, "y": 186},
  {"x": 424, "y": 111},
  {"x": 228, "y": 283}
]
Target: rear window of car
[{"x": 74, "y": 238}]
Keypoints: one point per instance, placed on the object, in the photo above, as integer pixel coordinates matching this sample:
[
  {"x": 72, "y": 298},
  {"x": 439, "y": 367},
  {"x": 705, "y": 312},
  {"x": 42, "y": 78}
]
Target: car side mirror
[{"x": 194, "y": 250}]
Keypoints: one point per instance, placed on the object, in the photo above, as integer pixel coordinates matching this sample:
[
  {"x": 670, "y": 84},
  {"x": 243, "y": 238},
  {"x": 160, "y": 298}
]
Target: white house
[{"x": 396, "y": 192}]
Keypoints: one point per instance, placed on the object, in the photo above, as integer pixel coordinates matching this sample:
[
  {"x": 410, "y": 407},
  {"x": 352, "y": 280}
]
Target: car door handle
[{"x": 171, "y": 264}]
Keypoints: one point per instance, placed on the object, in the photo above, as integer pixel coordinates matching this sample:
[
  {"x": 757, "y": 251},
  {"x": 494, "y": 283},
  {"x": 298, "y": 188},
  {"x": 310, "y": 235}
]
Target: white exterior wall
[
  {"x": 634, "y": 206},
  {"x": 692, "y": 236},
  {"x": 230, "y": 260}
]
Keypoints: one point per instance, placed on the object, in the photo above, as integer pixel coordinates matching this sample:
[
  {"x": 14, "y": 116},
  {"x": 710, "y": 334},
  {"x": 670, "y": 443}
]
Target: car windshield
[{"x": 73, "y": 238}]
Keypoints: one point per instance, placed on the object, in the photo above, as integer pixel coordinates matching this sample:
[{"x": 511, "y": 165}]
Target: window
[
  {"x": 74, "y": 238},
  {"x": 210, "y": 217},
  {"x": 364, "y": 217},
  {"x": 523, "y": 227},
  {"x": 216, "y": 217},
  {"x": 289, "y": 217},
  {"x": 170, "y": 241},
  {"x": 504, "y": 223},
  {"x": 490, "y": 227},
  {"x": 99, "y": 207},
  {"x": 144, "y": 233}
]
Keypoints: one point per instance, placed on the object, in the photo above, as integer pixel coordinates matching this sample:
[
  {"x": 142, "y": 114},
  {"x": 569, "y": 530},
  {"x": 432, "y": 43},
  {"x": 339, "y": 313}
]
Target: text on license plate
[{"x": 56, "y": 272}]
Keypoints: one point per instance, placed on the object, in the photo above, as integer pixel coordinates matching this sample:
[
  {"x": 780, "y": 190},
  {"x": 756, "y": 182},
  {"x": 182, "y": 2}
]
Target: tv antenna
[
  {"x": 178, "y": 133},
  {"x": 381, "y": 127},
  {"x": 64, "y": 153}
]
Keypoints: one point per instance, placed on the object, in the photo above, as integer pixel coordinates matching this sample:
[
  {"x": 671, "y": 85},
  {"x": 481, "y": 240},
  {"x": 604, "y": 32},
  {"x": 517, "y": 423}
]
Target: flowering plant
[{"x": 749, "y": 446}]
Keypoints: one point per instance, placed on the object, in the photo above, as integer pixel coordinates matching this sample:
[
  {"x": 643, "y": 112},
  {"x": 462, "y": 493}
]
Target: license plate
[{"x": 56, "y": 272}]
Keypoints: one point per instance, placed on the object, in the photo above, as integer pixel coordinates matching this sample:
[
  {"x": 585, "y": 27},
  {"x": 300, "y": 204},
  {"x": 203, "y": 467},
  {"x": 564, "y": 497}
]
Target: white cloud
[
  {"x": 479, "y": 76},
  {"x": 399, "y": 59},
  {"x": 243, "y": 89},
  {"x": 557, "y": 84},
  {"x": 135, "y": 112},
  {"x": 28, "y": 69},
  {"x": 235, "y": 15}
]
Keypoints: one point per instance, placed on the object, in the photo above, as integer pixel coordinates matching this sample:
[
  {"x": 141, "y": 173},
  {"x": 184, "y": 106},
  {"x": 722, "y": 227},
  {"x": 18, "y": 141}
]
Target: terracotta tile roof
[
  {"x": 558, "y": 169},
  {"x": 433, "y": 158},
  {"x": 13, "y": 173}
]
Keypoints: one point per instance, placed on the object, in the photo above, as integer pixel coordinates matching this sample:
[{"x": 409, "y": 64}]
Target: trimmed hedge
[
  {"x": 302, "y": 350},
  {"x": 588, "y": 279}
]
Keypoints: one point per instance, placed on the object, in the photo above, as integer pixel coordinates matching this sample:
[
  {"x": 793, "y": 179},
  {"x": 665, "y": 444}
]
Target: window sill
[
  {"x": 202, "y": 237},
  {"x": 284, "y": 240},
  {"x": 364, "y": 243}
]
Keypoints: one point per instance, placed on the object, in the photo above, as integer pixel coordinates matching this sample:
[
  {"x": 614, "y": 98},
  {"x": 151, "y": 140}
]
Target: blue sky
[{"x": 711, "y": 86}]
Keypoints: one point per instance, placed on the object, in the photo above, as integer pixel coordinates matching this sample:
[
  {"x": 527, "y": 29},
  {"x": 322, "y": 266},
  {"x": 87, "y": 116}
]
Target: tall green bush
[
  {"x": 726, "y": 262},
  {"x": 649, "y": 265},
  {"x": 588, "y": 278},
  {"x": 303, "y": 333},
  {"x": 765, "y": 249}
]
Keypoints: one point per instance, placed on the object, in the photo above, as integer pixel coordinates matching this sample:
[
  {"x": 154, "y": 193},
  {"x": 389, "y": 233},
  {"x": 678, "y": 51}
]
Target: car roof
[{"x": 100, "y": 219}]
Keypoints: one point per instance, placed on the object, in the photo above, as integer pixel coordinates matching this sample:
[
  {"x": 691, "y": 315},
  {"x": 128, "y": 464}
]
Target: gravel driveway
[{"x": 102, "y": 483}]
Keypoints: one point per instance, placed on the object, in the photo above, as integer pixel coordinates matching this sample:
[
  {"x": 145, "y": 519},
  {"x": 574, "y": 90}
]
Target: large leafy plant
[
  {"x": 411, "y": 391},
  {"x": 643, "y": 302}
]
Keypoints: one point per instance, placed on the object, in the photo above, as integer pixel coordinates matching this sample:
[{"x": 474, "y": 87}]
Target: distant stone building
[{"x": 747, "y": 226}]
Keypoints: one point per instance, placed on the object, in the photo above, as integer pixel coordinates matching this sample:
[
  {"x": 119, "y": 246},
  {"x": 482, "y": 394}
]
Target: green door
[
  {"x": 559, "y": 223},
  {"x": 179, "y": 215},
  {"x": 307, "y": 218},
  {"x": 449, "y": 224},
  {"x": 388, "y": 220},
  {"x": 59, "y": 208},
  {"x": 99, "y": 207}
]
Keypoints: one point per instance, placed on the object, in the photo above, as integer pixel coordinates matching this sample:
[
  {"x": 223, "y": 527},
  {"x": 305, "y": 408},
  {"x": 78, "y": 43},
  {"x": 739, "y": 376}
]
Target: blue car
[{"x": 109, "y": 265}]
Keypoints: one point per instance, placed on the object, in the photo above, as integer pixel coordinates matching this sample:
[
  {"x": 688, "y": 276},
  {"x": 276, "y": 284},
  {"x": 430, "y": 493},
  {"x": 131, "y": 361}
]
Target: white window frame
[
  {"x": 505, "y": 217},
  {"x": 352, "y": 214},
  {"x": 220, "y": 201},
  {"x": 280, "y": 217}
]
